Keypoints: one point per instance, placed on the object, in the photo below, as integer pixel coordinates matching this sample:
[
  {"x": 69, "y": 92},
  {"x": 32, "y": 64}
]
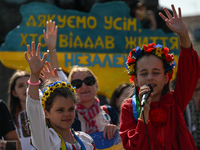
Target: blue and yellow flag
[{"x": 102, "y": 143}]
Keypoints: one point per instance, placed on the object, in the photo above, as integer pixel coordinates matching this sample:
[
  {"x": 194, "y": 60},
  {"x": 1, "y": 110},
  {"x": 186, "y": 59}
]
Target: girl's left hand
[
  {"x": 109, "y": 130},
  {"x": 175, "y": 22}
]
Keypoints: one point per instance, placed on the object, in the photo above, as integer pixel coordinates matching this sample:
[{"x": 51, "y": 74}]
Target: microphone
[{"x": 146, "y": 95}]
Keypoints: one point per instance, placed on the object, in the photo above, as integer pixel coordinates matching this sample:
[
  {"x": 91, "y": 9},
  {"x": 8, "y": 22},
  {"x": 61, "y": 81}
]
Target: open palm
[
  {"x": 48, "y": 72},
  {"x": 50, "y": 36},
  {"x": 174, "y": 22},
  {"x": 34, "y": 60}
]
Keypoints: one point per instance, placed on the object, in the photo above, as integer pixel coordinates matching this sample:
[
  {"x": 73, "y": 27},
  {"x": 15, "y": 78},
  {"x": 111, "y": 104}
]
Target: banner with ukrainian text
[{"x": 99, "y": 39}]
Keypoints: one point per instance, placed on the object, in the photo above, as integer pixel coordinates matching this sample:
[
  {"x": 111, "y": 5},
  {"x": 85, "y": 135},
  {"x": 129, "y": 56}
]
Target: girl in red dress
[{"x": 163, "y": 112}]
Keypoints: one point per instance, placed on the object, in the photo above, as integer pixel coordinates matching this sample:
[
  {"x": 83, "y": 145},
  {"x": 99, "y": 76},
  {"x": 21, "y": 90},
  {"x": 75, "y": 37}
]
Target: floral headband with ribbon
[
  {"x": 158, "y": 50},
  {"x": 61, "y": 84}
]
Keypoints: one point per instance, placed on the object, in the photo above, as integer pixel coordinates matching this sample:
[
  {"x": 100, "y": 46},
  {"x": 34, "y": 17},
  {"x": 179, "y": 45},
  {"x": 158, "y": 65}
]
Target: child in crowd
[
  {"x": 52, "y": 117},
  {"x": 162, "y": 114},
  {"x": 18, "y": 85},
  {"x": 121, "y": 92},
  {"x": 17, "y": 106}
]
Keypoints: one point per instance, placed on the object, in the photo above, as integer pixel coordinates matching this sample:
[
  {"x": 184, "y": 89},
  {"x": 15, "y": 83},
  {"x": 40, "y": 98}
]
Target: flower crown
[
  {"x": 158, "y": 50},
  {"x": 50, "y": 89}
]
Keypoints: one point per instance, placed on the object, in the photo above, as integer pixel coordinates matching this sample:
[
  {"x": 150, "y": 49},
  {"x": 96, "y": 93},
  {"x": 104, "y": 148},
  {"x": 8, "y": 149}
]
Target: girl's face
[
  {"x": 150, "y": 70},
  {"x": 86, "y": 93},
  {"x": 20, "y": 88},
  {"x": 61, "y": 114}
]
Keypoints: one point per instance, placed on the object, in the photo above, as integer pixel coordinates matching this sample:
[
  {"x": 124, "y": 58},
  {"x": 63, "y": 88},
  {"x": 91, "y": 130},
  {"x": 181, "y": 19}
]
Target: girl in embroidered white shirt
[{"x": 58, "y": 102}]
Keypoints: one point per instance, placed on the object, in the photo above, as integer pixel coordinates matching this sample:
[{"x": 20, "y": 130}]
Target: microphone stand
[{"x": 146, "y": 128}]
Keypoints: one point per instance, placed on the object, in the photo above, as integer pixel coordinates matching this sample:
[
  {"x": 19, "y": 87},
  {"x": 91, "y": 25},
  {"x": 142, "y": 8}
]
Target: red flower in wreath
[
  {"x": 130, "y": 60},
  {"x": 169, "y": 57},
  {"x": 170, "y": 75},
  {"x": 151, "y": 45},
  {"x": 165, "y": 51},
  {"x": 131, "y": 79},
  {"x": 149, "y": 48},
  {"x": 145, "y": 47}
]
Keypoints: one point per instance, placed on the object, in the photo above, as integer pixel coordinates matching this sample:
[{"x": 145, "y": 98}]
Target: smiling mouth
[{"x": 85, "y": 92}]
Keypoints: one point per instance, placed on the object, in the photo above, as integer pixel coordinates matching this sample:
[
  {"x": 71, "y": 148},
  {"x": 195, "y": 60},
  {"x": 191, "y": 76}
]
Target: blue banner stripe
[{"x": 102, "y": 143}]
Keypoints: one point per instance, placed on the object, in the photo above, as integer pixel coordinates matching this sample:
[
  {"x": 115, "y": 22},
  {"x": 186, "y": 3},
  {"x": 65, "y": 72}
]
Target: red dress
[{"x": 175, "y": 134}]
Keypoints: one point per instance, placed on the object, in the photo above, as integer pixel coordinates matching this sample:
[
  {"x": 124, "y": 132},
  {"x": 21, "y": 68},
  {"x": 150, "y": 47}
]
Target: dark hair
[
  {"x": 117, "y": 93},
  {"x": 65, "y": 92},
  {"x": 14, "y": 105}
]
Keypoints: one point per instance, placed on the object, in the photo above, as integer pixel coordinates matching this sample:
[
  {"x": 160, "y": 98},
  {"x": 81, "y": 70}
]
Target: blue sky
[{"x": 188, "y": 7}]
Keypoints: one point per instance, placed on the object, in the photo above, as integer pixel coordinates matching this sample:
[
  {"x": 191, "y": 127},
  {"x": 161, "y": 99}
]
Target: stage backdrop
[{"x": 100, "y": 39}]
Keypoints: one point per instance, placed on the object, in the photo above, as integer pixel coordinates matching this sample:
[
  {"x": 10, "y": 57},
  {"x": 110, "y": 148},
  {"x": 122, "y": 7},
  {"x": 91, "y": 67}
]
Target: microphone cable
[{"x": 146, "y": 128}]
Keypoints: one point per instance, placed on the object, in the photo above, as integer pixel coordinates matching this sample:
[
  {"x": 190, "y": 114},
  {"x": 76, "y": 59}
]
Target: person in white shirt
[{"x": 52, "y": 114}]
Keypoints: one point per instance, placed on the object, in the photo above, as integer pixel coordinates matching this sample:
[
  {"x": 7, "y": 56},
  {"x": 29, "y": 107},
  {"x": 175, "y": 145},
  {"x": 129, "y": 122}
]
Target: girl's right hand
[
  {"x": 50, "y": 36},
  {"x": 144, "y": 89},
  {"x": 34, "y": 60}
]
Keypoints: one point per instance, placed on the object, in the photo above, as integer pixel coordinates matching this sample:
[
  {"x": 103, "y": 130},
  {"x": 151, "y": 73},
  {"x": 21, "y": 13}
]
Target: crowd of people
[{"x": 62, "y": 112}]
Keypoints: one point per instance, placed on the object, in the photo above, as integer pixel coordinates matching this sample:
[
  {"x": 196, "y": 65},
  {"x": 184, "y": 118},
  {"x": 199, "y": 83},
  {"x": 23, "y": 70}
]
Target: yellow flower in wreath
[
  {"x": 131, "y": 68},
  {"x": 63, "y": 84},
  {"x": 159, "y": 52},
  {"x": 46, "y": 93},
  {"x": 51, "y": 89},
  {"x": 57, "y": 85}
]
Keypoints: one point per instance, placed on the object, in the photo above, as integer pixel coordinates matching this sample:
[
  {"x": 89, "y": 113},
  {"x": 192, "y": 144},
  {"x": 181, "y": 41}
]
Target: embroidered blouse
[{"x": 23, "y": 131}]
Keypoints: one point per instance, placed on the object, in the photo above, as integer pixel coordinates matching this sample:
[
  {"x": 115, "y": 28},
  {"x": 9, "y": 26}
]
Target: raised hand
[
  {"x": 175, "y": 22},
  {"x": 50, "y": 36},
  {"x": 48, "y": 72},
  {"x": 34, "y": 60}
]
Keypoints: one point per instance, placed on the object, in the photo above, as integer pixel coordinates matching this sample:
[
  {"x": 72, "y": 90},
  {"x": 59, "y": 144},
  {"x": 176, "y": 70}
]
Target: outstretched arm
[
  {"x": 188, "y": 68},
  {"x": 36, "y": 65},
  {"x": 50, "y": 37},
  {"x": 176, "y": 24}
]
